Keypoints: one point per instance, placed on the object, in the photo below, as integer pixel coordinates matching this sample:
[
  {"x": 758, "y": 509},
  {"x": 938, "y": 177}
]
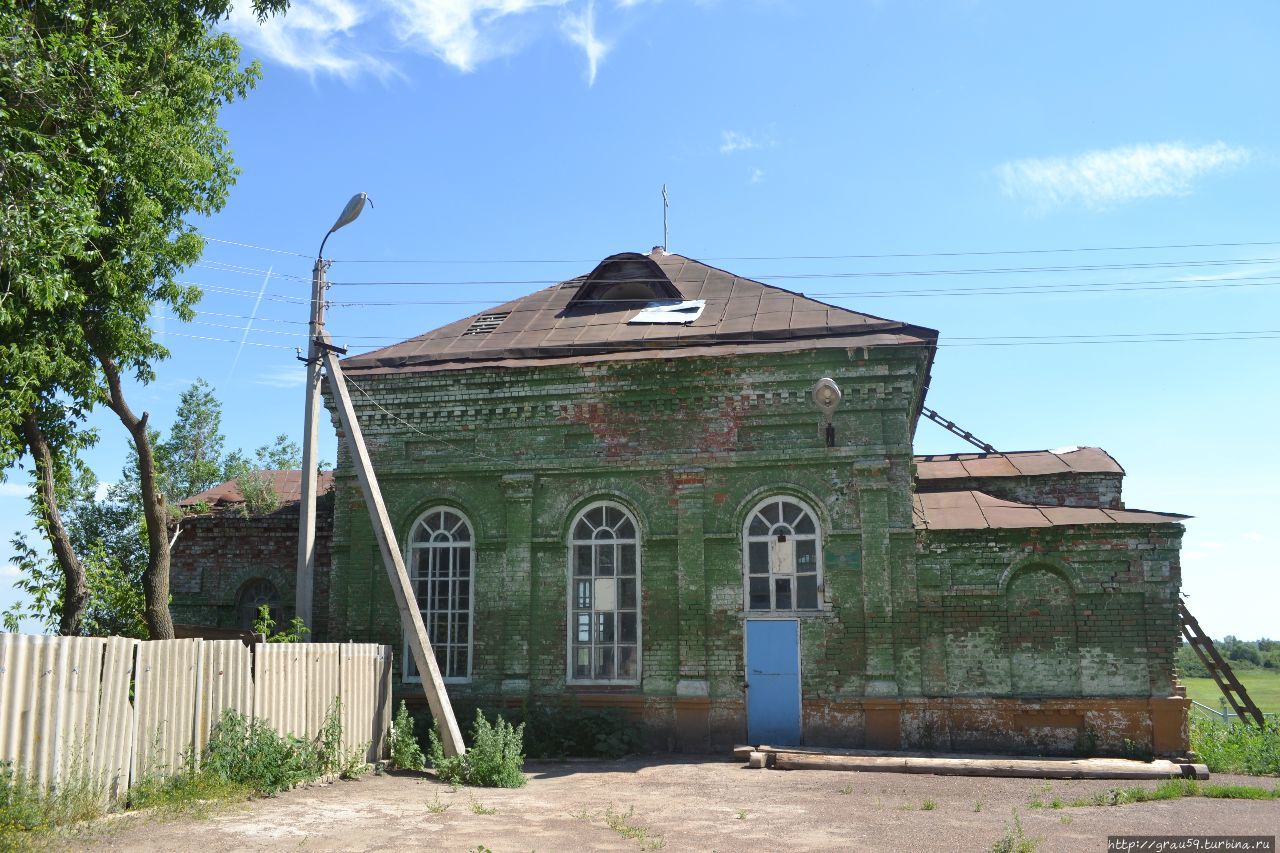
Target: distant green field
[{"x": 1263, "y": 687}]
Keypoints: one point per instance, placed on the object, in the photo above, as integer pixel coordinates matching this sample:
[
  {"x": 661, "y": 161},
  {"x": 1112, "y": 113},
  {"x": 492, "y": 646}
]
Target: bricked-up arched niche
[
  {"x": 252, "y": 595},
  {"x": 1043, "y": 649},
  {"x": 604, "y": 596},
  {"x": 441, "y": 562},
  {"x": 782, "y": 556}
]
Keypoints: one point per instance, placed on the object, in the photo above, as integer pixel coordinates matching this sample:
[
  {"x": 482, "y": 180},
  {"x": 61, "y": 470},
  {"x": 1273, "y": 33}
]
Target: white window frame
[
  {"x": 570, "y": 609},
  {"x": 411, "y": 564},
  {"x": 770, "y": 538}
]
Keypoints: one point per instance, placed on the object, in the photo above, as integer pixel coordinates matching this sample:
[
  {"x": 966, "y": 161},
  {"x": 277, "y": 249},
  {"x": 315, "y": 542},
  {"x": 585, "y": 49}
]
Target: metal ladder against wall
[{"x": 1218, "y": 668}]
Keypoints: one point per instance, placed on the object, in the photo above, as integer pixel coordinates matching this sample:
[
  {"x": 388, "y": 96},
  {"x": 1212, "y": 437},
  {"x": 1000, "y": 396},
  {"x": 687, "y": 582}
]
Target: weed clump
[
  {"x": 1236, "y": 747},
  {"x": 406, "y": 752},
  {"x": 27, "y": 808},
  {"x": 1015, "y": 840},
  {"x": 494, "y": 760}
]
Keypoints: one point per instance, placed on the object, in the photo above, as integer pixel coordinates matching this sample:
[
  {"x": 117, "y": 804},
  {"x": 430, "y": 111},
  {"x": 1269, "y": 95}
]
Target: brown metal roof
[
  {"x": 287, "y": 484},
  {"x": 974, "y": 510},
  {"x": 1024, "y": 463},
  {"x": 591, "y": 316}
]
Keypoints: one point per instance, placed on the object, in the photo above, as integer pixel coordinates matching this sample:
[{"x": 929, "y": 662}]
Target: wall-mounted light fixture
[{"x": 826, "y": 394}]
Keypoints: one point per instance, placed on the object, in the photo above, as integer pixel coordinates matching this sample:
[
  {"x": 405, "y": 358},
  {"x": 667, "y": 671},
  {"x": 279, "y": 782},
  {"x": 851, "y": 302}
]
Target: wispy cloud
[
  {"x": 283, "y": 376},
  {"x": 14, "y": 490},
  {"x": 580, "y": 28},
  {"x": 9, "y": 570},
  {"x": 732, "y": 141},
  {"x": 329, "y": 36},
  {"x": 1104, "y": 178},
  {"x": 464, "y": 33},
  {"x": 757, "y": 175},
  {"x": 315, "y": 36}
]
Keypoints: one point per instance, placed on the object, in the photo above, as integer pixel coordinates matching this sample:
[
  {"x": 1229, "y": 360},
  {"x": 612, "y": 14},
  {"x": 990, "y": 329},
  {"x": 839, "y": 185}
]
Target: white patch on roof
[
  {"x": 670, "y": 311},
  {"x": 1058, "y": 451}
]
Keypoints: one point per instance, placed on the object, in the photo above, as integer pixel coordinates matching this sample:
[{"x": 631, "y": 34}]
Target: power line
[
  {"x": 239, "y": 269},
  {"x": 844, "y": 275},
  {"x": 252, "y": 246},
  {"x": 835, "y": 257},
  {"x": 993, "y": 340},
  {"x": 221, "y": 340},
  {"x": 1167, "y": 284},
  {"x": 1011, "y": 290}
]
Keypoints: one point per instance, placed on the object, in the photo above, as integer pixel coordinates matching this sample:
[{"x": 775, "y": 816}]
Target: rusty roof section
[
  {"x": 589, "y": 317},
  {"x": 1023, "y": 463},
  {"x": 287, "y": 484},
  {"x": 975, "y": 510}
]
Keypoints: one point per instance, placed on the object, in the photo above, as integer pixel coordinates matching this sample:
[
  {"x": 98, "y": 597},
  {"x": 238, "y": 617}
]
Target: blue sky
[{"x": 521, "y": 140}]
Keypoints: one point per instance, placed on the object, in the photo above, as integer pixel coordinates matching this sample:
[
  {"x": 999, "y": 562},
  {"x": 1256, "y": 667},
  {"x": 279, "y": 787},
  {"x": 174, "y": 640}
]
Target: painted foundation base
[{"x": 1137, "y": 727}]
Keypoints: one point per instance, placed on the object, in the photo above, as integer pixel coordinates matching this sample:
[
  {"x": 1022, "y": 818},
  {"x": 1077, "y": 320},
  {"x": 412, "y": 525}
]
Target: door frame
[{"x": 746, "y": 652}]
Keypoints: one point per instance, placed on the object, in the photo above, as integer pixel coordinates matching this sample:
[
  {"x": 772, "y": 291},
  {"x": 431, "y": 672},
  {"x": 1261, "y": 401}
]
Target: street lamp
[{"x": 311, "y": 422}]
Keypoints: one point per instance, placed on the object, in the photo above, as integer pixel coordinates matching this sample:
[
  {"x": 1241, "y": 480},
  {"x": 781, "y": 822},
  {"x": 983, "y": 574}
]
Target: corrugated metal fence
[{"x": 117, "y": 709}]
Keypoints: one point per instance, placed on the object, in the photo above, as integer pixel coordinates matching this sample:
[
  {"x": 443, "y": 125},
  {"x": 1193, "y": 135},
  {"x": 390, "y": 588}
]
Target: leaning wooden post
[{"x": 410, "y": 617}]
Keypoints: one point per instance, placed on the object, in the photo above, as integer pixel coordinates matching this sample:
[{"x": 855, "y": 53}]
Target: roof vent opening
[{"x": 486, "y": 323}]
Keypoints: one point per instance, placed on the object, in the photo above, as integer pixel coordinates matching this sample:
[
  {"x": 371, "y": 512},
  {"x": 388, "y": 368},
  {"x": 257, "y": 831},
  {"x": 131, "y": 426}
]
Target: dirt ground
[{"x": 679, "y": 803}]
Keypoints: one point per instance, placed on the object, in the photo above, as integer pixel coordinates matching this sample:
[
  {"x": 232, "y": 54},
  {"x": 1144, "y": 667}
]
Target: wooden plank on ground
[{"x": 1080, "y": 768}]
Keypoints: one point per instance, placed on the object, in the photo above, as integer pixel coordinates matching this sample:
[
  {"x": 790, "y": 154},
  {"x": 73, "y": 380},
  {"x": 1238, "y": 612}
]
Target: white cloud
[
  {"x": 329, "y": 36},
  {"x": 14, "y": 490},
  {"x": 1253, "y": 536},
  {"x": 732, "y": 141},
  {"x": 464, "y": 33},
  {"x": 101, "y": 492},
  {"x": 314, "y": 36},
  {"x": 580, "y": 28},
  {"x": 757, "y": 175},
  {"x": 285, "y": 376},
  {"x": 9, "y": 570},
  {"x": 1100, "y": 179}
]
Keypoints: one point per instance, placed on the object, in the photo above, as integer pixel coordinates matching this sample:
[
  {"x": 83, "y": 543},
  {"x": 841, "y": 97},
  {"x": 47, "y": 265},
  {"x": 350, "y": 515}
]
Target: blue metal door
[{"x": 773, "y": 681}]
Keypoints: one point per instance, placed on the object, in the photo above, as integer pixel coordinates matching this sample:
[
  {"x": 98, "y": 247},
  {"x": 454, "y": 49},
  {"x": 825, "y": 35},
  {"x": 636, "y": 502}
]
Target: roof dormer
[{"x": 629, "y": 278}]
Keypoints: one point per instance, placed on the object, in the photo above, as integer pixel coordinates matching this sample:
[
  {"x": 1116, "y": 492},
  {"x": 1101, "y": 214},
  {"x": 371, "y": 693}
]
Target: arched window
[
  {"x": 604, "y": 596},
  {"x": 252, "y": 596},
  {"x": 1044, "y": 651},
  {"x": 441, "y": 550},
  {"x": 782, "y": 546}
]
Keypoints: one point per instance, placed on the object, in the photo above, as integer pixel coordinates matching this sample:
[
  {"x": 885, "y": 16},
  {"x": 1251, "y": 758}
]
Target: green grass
[
  {"x": 1263, "y": 686},
  {"x": 1236, "y": 747},
  {"x": 31, "y": 814},
  {"x": 1174, "y": 789},
  {"x": 1015, "y": 840},
  {"x": 624, "y": 825},
  {"x": 244, "y": 758}
]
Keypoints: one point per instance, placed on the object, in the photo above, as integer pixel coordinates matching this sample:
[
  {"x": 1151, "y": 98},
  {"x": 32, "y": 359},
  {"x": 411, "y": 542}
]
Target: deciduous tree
[{"x": 109, "y": 142}]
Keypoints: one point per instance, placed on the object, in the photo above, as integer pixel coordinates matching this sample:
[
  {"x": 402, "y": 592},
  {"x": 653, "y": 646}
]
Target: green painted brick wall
[{"x": 689, "y": 446}]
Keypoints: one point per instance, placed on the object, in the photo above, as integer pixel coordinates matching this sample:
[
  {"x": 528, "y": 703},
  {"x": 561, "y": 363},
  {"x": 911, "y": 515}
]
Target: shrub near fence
[{"x": 113, "y": 711}]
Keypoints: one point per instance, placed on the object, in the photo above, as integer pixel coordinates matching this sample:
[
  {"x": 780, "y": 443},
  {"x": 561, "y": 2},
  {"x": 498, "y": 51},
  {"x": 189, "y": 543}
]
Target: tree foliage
[
  {"x": 109, "y": 142},
  {"x": 106, "y": 535},
  {"x": 191, "y": 457}
]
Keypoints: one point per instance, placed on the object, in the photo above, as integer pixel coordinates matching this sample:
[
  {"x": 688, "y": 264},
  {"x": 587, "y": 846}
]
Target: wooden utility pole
[{"x": 410, "y": 616}]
